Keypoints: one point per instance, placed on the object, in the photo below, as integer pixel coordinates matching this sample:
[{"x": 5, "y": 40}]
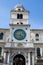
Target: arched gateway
[{"x": 19, "y": 60}]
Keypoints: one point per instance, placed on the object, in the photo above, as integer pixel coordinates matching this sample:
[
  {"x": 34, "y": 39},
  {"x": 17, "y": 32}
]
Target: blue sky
[{"x": 34, "y": 6}]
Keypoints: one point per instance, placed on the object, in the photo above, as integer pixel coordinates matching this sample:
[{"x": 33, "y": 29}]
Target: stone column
[
  {"x": 28, "y": 58},
  {"x": 8, "y": 58},
  {"x": 4, "y": 57},
  {"x": 33, "y": 58},
  {"x": 11, "y": 62}
]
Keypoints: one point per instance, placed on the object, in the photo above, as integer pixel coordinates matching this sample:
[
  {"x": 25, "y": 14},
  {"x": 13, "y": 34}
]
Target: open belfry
[{"x": 20, "y": 45}]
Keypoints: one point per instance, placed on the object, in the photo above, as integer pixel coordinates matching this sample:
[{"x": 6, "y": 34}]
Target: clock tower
[
  {"x": 19, "y": 25},
  {"x": 20, "y": 47}
]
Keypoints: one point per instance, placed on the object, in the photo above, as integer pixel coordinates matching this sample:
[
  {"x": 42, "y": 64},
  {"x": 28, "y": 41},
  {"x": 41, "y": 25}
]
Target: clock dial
[{"x": 19, "y": 34}]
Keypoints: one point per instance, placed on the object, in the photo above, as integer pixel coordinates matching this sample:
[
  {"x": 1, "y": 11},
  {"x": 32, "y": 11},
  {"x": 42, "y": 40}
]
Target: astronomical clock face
[{"x": 19, "y": 34}]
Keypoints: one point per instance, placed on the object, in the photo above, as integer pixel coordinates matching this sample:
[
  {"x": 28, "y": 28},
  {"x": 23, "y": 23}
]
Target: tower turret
[
  {"x": 19, "y": 15},
  {"x": 19, "y": 24}
]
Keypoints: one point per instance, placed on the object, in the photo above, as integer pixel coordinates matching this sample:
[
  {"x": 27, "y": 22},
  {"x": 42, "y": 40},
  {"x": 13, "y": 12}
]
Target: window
[
  {"x": 37, "y": 37},
  {"x": 17, "y": 23},
  {"x": 0, "y": 51},
  {"x": 38, "y": 53},
  {"x": 21, "y": 23},
  {"x": 19, "y": 9},
  {"x": 19, "y": 16},
  {"x": 1, "y": 36}
]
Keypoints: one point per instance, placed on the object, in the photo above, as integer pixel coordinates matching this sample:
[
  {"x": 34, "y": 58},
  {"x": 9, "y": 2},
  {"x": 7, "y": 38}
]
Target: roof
[
  {"x": 30, "y": 29},
  {"x": 4, "y": 29},
  {"x": 36, "y": 29},
  {"x": 19, "y": 8}
]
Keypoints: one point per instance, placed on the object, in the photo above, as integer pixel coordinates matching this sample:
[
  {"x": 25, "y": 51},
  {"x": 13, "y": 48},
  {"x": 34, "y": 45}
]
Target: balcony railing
[{"x": 23, "y": 44}]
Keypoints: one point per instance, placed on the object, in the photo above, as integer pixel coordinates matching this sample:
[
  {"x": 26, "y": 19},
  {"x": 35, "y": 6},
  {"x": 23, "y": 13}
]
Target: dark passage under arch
[{"x": 19, "y": 60}]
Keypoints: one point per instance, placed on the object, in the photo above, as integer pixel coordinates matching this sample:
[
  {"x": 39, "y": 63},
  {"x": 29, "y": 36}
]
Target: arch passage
[{"x": 19, "y": 60}]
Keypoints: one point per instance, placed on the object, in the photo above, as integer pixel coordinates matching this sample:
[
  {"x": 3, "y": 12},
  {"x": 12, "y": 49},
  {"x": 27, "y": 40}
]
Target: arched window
[
  {"x": 1, "y": 36},
  {"x": 19, "y": 16},
  {"x": 37, "y": 37},
  {"x": 0, "y": 51},
  {"x": 38, "y": 53}
]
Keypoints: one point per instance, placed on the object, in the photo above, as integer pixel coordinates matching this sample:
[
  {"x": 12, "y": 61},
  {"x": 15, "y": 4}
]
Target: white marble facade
[
  {"x": 23, "y": 47},
  {"x": 19, "y": 42}
]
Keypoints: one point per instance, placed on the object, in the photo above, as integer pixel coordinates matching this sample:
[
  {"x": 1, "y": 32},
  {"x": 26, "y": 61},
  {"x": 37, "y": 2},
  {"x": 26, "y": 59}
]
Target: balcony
[{"x": 19, "y": 45}]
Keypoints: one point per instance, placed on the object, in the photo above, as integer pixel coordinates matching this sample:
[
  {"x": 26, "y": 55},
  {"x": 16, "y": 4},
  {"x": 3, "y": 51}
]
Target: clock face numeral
[{"x": 19, "y": 34}]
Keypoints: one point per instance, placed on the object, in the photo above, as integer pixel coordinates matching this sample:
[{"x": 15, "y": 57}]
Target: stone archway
[{"x": 19, "y": 60}]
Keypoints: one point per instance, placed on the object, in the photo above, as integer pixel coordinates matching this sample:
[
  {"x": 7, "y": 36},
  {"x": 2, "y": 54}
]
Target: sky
[{"x": 34, "y": 6}]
